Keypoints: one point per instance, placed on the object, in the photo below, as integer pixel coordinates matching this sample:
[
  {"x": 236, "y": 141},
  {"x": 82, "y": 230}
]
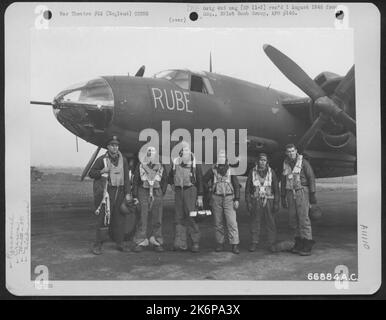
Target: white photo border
[{"x": 21, "y": 17}]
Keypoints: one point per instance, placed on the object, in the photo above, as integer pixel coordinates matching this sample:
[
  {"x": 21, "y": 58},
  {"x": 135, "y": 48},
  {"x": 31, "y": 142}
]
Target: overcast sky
[{"x": 62, "y": 57}]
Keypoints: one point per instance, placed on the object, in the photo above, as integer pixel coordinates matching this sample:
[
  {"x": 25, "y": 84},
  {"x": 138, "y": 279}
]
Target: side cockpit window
[
  {"x": 200, "y": 84},
  {"x": 187, "y": 81}
]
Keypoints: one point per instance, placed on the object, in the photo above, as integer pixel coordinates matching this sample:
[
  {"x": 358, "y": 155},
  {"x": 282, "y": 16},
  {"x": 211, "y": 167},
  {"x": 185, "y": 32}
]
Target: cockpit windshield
[
  {"x": 178, "y": 77},
  {"x": 167, "y": 74}
]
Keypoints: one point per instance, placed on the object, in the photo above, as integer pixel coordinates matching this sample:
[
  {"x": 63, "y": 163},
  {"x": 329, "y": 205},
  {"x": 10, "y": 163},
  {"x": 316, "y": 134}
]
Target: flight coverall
[
  {"x": 298, "y": 189},
  {"x": 225, "y": 190},
  {"x": 187, "y": 181},
  {"x": 135, "y": 214},
  {"x": 141, "y": 190},
  {"x": 262, "y": 196},
  {"x": 116, "y": 189}
]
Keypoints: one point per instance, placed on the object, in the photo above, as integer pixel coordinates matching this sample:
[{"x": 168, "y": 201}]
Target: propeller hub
[{"x": 327, "y": 106}]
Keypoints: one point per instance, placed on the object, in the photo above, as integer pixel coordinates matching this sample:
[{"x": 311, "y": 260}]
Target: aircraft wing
[
  {"x": 299, "y": 107},
  {"x": 331, "y": 164},
  {"x": 325, "y": 163}
]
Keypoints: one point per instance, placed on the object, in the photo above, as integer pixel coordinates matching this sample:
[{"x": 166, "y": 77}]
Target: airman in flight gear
[
  {"x": 149, "y": 187},
  {"x": 298, "y": 192},
  {"x": 111, "y": 184},
  {"x": 225, "y": 202},
  {"x": 262, "y": 198},
  {"x": 186, "y": 180}
]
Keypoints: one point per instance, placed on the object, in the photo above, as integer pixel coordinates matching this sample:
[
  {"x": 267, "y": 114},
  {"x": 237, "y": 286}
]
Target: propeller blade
[
  {"x": 336, "y": 106},
  {"x": 348, "y": 122},
  {"x": 89, "y": 164},
  {"x": 345, "y": 90},
  {"x": 294, "y": 73},
  {"x": 306, "y": 139},
  {"x": 140, "y": 72},
  {"x": 42, "y": 103}
]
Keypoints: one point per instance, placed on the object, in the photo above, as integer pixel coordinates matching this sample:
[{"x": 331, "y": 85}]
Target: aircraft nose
[
  {"x": 73, "y": 120},
  {"x": 85, "y": 109}
]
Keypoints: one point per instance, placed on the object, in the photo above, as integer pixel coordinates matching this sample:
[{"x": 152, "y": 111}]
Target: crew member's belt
[
  {"x": 184, "y": 188},
  {"x": 111, "y": 186},
  {"x": 295, "y": 189},
  {"x": 301, "y": 188},
  {"x": 223, "y": 195}
]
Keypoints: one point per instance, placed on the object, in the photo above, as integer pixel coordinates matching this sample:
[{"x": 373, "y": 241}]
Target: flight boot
[
  {"x": 182, "y": 249},
  {"x": 253, "y": 247},
  {"x": 138, "y": 248},
  {"x": 298, "y": 246},
  {"x": 195, "y": 248},
  {"x": 219, "y": 247},
  {"x": 307, "y": 247},
  {"x": 122, "y": 247},
  {"x": 159, "y": 248},
  {"x": 273, "y": 248},
  {"x": 235, "y": 249},
  {"x": 97, "y": 249}
]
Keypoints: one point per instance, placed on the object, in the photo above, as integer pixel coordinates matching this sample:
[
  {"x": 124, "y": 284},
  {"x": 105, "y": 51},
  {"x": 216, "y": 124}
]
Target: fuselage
[{"x": 189, "y": 100}]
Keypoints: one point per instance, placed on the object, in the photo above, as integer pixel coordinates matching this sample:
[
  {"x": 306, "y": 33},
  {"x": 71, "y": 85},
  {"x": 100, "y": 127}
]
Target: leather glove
[
  {"x": 284, "y": 203},
  {"x": 236, "y": 204},
  {"x": 312, "y": 198}
]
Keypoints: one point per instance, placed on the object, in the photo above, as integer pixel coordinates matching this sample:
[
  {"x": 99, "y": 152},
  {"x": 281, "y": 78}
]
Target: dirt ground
[{"x": 63, "y": 230}]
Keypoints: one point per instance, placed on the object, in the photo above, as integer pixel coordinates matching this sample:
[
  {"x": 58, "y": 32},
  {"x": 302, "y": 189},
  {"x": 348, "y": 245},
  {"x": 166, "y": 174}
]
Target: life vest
[
  {"x": 293, "y": 175},
  {"x": 184, "y": 174},
  {"x": 151, "y": 176},
  {"x": 116, "y": 173},
  {"x": 222, "y": 184},
  {"x": 263, "y": 186}
]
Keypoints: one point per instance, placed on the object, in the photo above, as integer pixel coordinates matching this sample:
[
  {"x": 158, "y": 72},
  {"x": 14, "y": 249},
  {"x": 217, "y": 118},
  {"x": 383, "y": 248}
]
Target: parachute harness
[
  {"x": 291, "y": 174},
  {"x": 145, "y": 176},
  {"x": 261, "y": 192}
]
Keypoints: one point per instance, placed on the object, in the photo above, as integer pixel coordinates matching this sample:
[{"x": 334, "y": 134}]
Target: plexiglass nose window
[{"x": 96, "y": 92}]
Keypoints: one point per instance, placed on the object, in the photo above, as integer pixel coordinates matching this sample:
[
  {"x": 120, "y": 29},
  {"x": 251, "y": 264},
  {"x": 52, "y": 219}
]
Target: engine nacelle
[
  {"x": 328, "y": 81},
  {"x": 334, "y": 134}
]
